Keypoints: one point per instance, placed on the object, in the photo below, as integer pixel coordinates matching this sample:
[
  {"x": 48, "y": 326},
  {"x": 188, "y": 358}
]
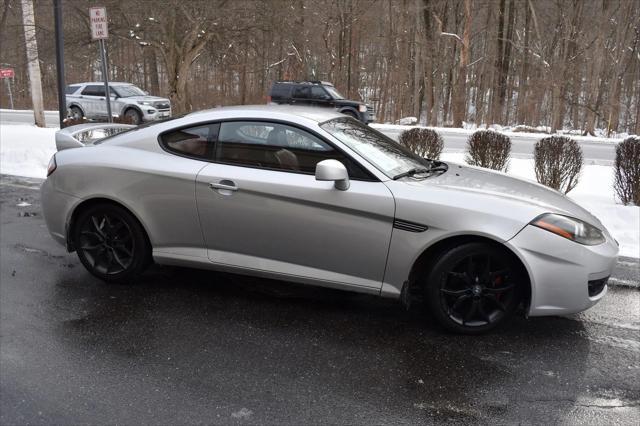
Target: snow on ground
[
  {"x": 468, "y": 131},
  {"x": 25, "y": 150}
]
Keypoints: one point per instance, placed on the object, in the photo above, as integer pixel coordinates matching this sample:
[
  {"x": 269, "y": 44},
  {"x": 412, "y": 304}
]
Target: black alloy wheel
[
  {"x": 111, "y": 243},
  {"x": 473, "y": 288}
]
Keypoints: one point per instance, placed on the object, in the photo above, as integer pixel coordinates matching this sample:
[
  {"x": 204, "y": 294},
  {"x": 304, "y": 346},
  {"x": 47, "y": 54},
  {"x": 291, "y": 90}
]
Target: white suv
[{"x": 88, "y": 100}]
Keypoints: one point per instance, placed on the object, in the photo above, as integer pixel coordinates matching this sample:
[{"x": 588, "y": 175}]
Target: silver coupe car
[{"x": 315, "y": 197}]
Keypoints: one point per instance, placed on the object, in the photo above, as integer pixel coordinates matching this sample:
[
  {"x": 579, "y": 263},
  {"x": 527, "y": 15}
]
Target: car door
[
  {"x": 100, "y": 102},
  {"x": 320, "y": 97},
  {"x": 261, "y": 208},
  {"x": 89, "y": 100},
  {"x": 301, "y": 95}
]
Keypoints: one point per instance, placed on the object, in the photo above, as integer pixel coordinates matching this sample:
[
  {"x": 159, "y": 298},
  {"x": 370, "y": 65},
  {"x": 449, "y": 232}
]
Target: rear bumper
[
  {"x": 56, "y": 209},
  {"x": 562, "y": 271}
]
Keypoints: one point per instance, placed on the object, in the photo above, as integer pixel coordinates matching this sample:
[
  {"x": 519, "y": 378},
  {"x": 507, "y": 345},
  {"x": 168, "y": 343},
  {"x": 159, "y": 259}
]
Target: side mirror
[
  {"x": 146, "y": 93},
  {"x": 333, "y": 170}
]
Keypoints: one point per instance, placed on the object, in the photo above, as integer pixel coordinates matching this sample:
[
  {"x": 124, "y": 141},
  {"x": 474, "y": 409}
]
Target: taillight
[{"x": 52, "y": 165}]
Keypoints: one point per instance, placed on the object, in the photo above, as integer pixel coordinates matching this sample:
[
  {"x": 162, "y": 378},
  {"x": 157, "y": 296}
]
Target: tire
[
  {"x": 473, "y": 288},
  {"x": 111, "y": 243},
  {"x": 133, "y": 115},
  {"x": 76, "y": 113}
]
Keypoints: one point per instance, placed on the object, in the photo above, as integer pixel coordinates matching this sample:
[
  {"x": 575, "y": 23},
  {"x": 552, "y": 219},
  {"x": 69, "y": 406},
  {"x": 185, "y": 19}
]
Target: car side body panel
[
  {"x": 291, "y": 223},
  {"x": 156, "y": 187}
]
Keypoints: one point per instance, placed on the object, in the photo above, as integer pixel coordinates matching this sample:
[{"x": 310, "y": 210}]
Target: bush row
[{"x": 558, "y": 160}]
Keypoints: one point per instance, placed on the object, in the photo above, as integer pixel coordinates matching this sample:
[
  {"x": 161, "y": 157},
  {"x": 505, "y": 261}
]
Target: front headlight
[
  {"x": 570, "y": 228},
  {"x": 145, "y": 103},
  {"x": 362, "y": 108}
]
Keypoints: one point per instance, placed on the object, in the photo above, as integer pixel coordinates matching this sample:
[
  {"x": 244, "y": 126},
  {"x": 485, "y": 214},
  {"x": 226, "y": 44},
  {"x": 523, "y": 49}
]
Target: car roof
[
  {"x": 111, "y": 83},
  {"x": 266, "y": 111},
  {"x": 305, "y": 82}
]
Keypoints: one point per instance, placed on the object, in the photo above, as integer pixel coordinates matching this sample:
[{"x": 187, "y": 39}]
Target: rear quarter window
[
  {"x": 93, "y": 90},
  {"x": 281, "y": 91},
  {"x": 194, "y": 142},
  {"x": 70, "y": 90}
]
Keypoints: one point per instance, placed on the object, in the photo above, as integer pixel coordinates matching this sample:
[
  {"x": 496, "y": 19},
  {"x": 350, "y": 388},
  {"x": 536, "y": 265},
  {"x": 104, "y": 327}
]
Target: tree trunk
[
  {"x": 506, "y": 61},
  {"x": 461, "y": 83},
  {"x": 33, "y": 62},
  {"x": 152, "y": 61},
  {"x": 595, "y": 88},
  {"x": 498, "y": 78},
  {"x": 524, "y": 72}
]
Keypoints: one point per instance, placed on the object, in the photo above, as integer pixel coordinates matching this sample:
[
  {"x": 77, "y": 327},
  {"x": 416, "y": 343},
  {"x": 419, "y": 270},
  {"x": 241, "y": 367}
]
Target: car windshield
[
  {"x": 333, "y": 92},
  {"x": 128, "y": 91},
  {"x": 385, "y": 154}
]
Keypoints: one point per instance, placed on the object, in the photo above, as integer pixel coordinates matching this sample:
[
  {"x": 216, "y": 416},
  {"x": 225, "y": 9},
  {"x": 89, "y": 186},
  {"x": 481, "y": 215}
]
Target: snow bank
[
  {"x": 25, "y": 150},
  {"x": 504, "y": 130},
  {"x": 595, "y": 193}
]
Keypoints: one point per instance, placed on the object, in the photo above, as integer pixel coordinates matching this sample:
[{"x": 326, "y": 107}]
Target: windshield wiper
[
  {"x": 438, "y": 166},
  {"x": 411, "y": 172}
]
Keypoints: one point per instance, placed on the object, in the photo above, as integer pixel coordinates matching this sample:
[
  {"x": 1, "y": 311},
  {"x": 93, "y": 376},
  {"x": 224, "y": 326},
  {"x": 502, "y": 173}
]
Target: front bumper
[
  {"x": 151, "y": 113},
  {"x": 561, "y": 270},
  {"x": 367, "y": 116}
]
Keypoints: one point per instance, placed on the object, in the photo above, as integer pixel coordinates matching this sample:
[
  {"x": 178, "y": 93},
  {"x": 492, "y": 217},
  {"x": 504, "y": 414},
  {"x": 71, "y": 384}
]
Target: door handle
[{"x": 226, "y": 185}]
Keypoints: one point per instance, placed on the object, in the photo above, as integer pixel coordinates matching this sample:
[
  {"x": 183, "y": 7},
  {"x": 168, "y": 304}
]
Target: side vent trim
[{"x": 409, "y": 226}]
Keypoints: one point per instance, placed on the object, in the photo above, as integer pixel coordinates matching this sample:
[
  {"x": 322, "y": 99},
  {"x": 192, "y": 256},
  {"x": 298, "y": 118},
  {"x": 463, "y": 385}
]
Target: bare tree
[
  {"x": 33, "y": 64},
  {"x": 557, "y": 64}
]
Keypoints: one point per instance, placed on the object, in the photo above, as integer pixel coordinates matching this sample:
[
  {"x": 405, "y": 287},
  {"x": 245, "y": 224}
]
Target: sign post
[
  {"x": 6, "y": 74},
  {"x": 100, "y": 32},
  {"x": 62, "y": 97}
]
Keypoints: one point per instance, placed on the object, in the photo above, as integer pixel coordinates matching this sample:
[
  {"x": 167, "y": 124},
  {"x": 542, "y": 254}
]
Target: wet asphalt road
[{"x": 184, "y": 346}]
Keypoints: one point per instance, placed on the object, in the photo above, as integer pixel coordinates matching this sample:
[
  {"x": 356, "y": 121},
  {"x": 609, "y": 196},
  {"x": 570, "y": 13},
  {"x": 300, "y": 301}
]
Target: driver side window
[{"x": 278, "y": 147}]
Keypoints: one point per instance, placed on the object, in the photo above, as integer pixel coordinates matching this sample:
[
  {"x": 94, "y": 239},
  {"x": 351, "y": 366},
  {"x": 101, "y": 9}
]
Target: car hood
[
  {"x": 348, "y": 102},
  {"x": 147, "y": 98},
  {"x": 467, "y": 197}
]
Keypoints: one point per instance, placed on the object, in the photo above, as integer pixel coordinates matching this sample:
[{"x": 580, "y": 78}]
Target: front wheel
[
  {"x": 473, "y": 288},
  {"x": 111, "y": 243},
  {"x": 133, "y": 116}
]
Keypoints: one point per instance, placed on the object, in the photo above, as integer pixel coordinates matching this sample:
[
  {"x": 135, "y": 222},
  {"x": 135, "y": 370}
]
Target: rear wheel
[
  {"x": 473, "y": 288},
  {"x": 75, "y": 113},
  {"x": 111, "y": 243},
  {"x": 133, "y": 116}
]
